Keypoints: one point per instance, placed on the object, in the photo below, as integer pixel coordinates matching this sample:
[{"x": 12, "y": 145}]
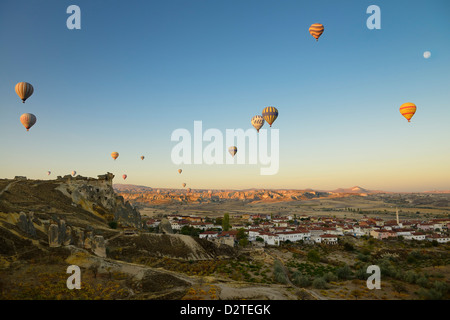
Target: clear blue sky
[{"x": 138, "y": 70}]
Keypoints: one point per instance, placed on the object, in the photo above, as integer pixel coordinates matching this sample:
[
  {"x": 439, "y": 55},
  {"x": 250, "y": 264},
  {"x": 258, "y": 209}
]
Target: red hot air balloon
[{"x": 124, "y": 176}]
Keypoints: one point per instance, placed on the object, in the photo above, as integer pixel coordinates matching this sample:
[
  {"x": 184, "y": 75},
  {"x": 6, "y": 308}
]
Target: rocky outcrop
[
  {"x": 165, "y": 227},
  {"x": 26, "y": 224}
]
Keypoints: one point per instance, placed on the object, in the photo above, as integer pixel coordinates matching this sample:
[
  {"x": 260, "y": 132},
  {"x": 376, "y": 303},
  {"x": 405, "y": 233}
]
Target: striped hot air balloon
[
  {"x": 257, "y": 122},
  {"x": 28, "y": 120},
  {"x": 24, "y": 90},
  {"x": 407, "y": 110},
  {"x": 114, "y": 155},
  {"x": 270, "y": 114},
  {"x": 232, "y": 150},
  {"x": 316, "y": 30}
]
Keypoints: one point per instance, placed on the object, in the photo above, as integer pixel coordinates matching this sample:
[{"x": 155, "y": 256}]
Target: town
[{"x": 273, "y": 230}]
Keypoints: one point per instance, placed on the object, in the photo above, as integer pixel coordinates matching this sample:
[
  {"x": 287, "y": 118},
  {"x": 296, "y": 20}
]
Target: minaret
[{"x": 396, "y": 210}]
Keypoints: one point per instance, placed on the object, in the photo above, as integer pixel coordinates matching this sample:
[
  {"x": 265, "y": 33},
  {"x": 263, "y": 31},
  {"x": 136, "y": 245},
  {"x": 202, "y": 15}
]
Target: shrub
[
  {"x": 301, "y": 280},
  {"x": 344, "y": 272},
  {"x": 329, "y": 277},
  {"x": 313, "y": 255},
  {"x": 319, "y": 283},
  {"x": 422, "y": 281}
]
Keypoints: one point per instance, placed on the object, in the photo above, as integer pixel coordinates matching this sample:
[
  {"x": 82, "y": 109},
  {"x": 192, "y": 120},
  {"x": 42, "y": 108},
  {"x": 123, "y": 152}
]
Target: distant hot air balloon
[
  {"x": 158, "y": 191},
  {"x": 28, "y": 120},
  {"x": 124, "y": 176},
  {"x": 142, "y": 157},
  {"x": 74, "y": 173},
  {"x": 316, "y": 30},
  {"x": 209, "y": 191},
  {"x": 179, "y": 171},
  {"x": 48, "y": 173},
  {"x": 270, "y": 114},
  {"x": 188, "y": 190},
  {"x": 407, "y": 110},
  {"x": 24, "y": 90},
  {"x": 232, "y": 150},
  {"x": 184, "y": 185},
  {"x": 114, "y": 155},
  {"x": 257, "y": 122}
]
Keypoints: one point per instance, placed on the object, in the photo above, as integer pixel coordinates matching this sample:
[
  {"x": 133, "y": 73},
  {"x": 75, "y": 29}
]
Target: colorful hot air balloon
[
  {"x": 28, "y": 120},
  {"x": 257, "y": 122},
  {"x": 114, "y": 155},
  {"x": 270, "y": 114},
  {"x": 24, "y": 90},
  {"x": 74, "y": 173},
  {"x": 124, "y": 176},
  {"x": 158, "y": 191},
  {"x": 407, "y": 110},
  {"x": 316, "y": 30},
  {"x": 179, "y": 171},
  {"x": 232, "y": 150},
  {"x": 184, "y": 185},
  {"x": 142, "y": 157}
]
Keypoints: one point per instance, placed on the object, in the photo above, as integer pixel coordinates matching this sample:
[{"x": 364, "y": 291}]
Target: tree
[
  {"x": 319, "y": 283},
  {"x": 344, "y": 272},
  {"x": 226, "y": 222}
]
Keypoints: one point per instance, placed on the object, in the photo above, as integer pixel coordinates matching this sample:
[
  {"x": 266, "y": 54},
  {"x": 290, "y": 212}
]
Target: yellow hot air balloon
[
  {"x": 24, "y": 90},
  {"x": 270, "y": 114},
  {"x": 407, "y": 110},
  {"x": 114, "y": 155},
  {"x": 316, "y": 30}
]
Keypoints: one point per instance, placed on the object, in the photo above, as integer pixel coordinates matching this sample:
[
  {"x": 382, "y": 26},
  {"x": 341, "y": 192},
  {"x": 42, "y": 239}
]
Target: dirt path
[{"x": 7, "y": 187}]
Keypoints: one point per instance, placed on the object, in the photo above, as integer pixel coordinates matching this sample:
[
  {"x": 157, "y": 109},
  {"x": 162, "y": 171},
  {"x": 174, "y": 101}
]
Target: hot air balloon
[
  {"x": 316, "y": 30},
  {"x": 74, "y": 173},
  {"x": 232, "y": 150},
  {"x": 407, "y": 110},
  {"x": 188, "y": 190},
  {"x": 28, "y": 120},
  {"x": 270, "y": 114},
  {"x": 24, "y": 90},
  {"x": 48, "y": 173},
  {"x": 184, "y": 185},
  {"x": 179, "y": 171},
  {"x": 142, "y": 157},
  {"x": 114, "y": 155},
  {"x": 158, "y": 191},
  {"x": 124, "y": 176},
  {"x": 209, "y": 191},
  {"x": 257, "y": 122}
]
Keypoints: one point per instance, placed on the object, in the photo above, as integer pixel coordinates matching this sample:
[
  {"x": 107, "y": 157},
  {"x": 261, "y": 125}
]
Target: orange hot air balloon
[
  {"x": 316, "y": 30},
  {"x": 28, "y": 120},
  {"x": 114, "y": 155},
  {"x": 407, "y": 110},
  {"x": 24, "y": 90},
  {"x": 180, "y": 171},
  {"x": 124, "y": 176}
]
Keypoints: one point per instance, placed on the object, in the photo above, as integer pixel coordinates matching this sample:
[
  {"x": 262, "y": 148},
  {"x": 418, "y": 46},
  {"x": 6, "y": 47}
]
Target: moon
[{"x": 427, "y": 54}]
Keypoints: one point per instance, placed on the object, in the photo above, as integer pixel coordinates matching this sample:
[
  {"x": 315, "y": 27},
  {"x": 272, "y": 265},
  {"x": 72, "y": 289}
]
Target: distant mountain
[
  {"x": 357, "y": 189},
  {"x": 131, "y": 188}
]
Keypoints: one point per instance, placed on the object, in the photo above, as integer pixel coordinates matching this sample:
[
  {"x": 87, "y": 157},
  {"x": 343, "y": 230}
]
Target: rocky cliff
[{"x": 65, "y": 211}]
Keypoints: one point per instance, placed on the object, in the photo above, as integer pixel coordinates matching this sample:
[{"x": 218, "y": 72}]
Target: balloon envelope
[
  {"x": 74, "y": 173},
  {"x": 316, "y": 30},
  {"x": 24, "y": 90},
  {"x": 124, "y": 176},
  {"x": 407, "y": 110},
  {"x": 257, "y": 122},
  {"x": 270, "y": 114},
  {"x": 28, "y": 120},
  {"x": 114, "y": 155},
  {"x": 184, "y": 185},
  {"x": 48, "y": 173},
  {"x": 142, "y": 157},
  {"x": 232, "y": 150},
  {"x": 179, "y": 170}
]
